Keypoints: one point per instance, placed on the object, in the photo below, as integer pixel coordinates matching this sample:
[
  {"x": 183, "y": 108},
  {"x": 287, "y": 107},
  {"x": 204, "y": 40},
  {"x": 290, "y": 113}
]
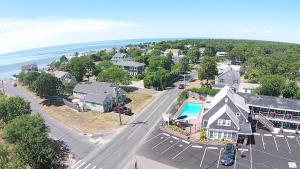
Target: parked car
[
  {"x": 122, "y": 110},
  {"x": 181, "y": 86},
  {"x": 228, "y": 155},
  {"x": 14, "y": 84}
]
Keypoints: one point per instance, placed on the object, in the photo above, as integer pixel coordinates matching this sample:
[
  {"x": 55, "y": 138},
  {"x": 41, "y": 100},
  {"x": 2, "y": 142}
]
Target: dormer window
[{"x": 222, "y": 80}]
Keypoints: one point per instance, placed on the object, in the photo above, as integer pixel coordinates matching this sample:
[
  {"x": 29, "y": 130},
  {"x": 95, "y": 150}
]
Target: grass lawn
[{"x": 94, "y": 122}]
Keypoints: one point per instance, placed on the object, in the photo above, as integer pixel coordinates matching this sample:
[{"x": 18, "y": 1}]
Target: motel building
[
  {"x": 230, "y": 115},
  {"x": 275, "y": 113}
]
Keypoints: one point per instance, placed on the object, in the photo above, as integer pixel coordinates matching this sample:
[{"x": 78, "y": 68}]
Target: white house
[
  {"x": 221, "y": 54},
  {"x": 247, "y": 87}
]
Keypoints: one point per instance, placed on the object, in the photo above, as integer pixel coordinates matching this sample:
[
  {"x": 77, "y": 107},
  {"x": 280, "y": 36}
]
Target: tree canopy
[
  {"x": 115, "y": 75},
  {"x": 80, "y": 67},
  {"x": 208, "y": 68},
  {"x": 47, "y": 85}
]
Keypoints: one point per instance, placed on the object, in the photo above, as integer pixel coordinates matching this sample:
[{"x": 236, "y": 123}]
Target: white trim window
[{"x": 222, "y": 122}]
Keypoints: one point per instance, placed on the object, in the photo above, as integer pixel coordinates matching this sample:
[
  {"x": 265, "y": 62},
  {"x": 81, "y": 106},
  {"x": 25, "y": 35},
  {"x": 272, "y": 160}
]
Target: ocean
[{"x": 11, "y": 63}]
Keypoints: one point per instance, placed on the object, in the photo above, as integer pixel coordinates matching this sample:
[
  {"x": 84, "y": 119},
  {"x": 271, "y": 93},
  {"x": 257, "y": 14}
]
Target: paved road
[
  {"x": 79, "y": 144},
  {"x": 119, "y": 151}
]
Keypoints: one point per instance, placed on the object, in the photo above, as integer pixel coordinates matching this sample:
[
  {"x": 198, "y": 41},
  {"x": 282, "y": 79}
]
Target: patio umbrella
[{"x": 182, "y": 117}]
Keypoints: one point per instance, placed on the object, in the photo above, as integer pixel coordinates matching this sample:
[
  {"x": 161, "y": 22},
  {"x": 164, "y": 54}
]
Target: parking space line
[
  {"x": 175, "y": 138},
  {"x": 250, "y": 154},
  {"x": 257, "y": 134},
  {"x": 298, "y": 141},
  {"x": 213, "y": 148},
  {"x": 160, "y": 143},
  {"x": 219, "y": 158},
  {"x": 153, "y": 138},
  {"x": 262, "y": 138},
  {"x": 94, "y": 167},
  {"x": 166, "y": 134},
  {"x": 236, "y": 153},
  {"x": 80, "y": 165},
  {"x": 170, "y": 147},
  {"x": 288, "y": 144},
  {"x": 275, "y": 143},
  {"x": 87, "y": 166},
  {"x": 185, "y": 141},
  {"x": 181, "y": 152},
  {"x": 76, "y": 163},
  {"x": 195, "y": 146},
  {"x": 203, "y": 156},
  {"x": 291, "y": 136},
  {"x": 269, "y": 135},
  {"x": 279, "y": 136}
]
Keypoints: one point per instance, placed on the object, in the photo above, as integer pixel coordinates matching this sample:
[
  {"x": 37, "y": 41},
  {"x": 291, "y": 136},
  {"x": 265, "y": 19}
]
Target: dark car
[
  {"x": 122, "y": 110},
  {"x": 181, "y": 86},
  {"x": 228, "y": 155}
]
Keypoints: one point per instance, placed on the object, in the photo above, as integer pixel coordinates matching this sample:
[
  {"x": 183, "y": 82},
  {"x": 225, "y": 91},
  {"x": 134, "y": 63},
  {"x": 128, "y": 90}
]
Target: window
[
  {"x": 222, "y": 80},
  {"x": 235, "y": 81},
  {"x": 222, "y": 122}
]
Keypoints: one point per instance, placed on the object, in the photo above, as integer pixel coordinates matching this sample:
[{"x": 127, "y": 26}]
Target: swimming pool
[{"x": 192, "y": 110}]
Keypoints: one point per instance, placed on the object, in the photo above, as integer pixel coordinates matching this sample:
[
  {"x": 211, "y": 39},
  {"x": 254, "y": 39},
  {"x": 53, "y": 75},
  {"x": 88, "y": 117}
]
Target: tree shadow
[
  {"x": 129, "y": 89},
  {"x": 62, "y": 154},
  {"x": 53, "y": 102}
]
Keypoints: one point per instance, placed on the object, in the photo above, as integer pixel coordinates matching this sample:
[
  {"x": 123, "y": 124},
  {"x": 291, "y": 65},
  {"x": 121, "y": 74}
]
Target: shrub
[
  {"x": 203, "y": 136},
  {"x": 178, "y": 129},
  {"x": 183, "y": 95}
]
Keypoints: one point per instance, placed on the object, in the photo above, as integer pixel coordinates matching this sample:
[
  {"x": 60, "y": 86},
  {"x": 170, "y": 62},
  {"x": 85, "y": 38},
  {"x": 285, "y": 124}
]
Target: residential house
[
  {"x": 221, "y": 54},
  {"x": 229, "y": 77},
  {"x": 247, "y": 87},
  {"x": 133, "y": 68},
  {"x": 224, "y": 66},
  {"x": 120, "y": 57},
  {"x": 65, "y": 77},
  {"x": 176, "y": 52},
  {"x": 29, "y": 68},
  {"x": 201, "y": 50},
  {"x": 227, "y": 116},
  {"x": 99, "y": 96}
]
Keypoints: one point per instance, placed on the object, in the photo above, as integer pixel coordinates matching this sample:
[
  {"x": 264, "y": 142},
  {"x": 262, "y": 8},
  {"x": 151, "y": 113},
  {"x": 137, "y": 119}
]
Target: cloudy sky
[{"x": 36, "y": 23}]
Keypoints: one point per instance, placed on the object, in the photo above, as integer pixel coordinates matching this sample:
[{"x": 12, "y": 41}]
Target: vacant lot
[{"x": 139, "y": 100}]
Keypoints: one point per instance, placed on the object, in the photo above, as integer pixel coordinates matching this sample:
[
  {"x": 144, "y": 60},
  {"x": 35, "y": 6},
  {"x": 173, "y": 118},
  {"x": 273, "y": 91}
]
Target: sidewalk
[{"x": 145, "y": 163}]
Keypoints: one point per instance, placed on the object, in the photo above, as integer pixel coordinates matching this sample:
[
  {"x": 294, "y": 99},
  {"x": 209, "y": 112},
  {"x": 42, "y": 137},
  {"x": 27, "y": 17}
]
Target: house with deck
[
  {"x": 133, "y": 68},
  {"x": 99, "y": 96}
]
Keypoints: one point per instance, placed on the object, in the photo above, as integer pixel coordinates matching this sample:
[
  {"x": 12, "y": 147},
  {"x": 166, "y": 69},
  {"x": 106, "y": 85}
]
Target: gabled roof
[
  {"x": 229, "y": 75},
  {"x": 225, "y": 109},
  {"x": 121, "y": 57},
  {"x": 96, "y": 92}
]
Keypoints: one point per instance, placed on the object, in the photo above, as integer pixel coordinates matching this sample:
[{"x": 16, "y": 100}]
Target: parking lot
[{"x": 266, "y": 151}]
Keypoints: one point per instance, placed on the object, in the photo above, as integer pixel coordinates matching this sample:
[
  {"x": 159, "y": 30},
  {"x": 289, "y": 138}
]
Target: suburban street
[
  {"x": 118, "y": 152},
  {"x": 79, "y": 144}
]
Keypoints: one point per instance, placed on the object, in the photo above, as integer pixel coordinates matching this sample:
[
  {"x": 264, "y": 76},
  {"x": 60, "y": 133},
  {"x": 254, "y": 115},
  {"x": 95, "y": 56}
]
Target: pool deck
[{"x": 195, "y": 122}]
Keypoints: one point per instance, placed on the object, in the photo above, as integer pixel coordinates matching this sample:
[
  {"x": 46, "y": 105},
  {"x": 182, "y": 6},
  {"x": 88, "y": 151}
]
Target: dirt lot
[{"x": 197, "y": 84}]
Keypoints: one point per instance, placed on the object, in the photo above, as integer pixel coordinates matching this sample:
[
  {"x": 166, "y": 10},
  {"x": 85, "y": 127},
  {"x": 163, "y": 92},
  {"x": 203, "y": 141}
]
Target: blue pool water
[{"x": 192, "y": 110}]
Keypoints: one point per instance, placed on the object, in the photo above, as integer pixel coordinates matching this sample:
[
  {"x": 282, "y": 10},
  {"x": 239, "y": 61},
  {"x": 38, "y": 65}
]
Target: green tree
[
  {"x": 47, "y": 85},
  {"x": 13, "y": 107},
  {"x": 4, "y": 157},
  {"x": 194, "y": 55},
  {"x": 184, "y": 64},
  {"x": 158, "y": 79},
  {"x": 21, "y": 77},
  {"x": 208, "y": 68},
  {"x": 290, "y": 90},
  {"x": 103, "y": 65},
  {"x": 30, "y": 136},
  {"x": 30, "y": 78},
  {"x": 271, "y": 85},
  {"x": 80, "y": 67},
  {"x": 114, "y": 75}
]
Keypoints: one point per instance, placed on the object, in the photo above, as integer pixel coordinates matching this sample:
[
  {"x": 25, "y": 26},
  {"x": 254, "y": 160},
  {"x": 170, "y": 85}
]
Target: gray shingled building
[
  {"x": 229, "y": 77},
  {"x": 118, "y": 57},
  {"x": 133, "y": 68},
  {"x": 99, "y": 96}
]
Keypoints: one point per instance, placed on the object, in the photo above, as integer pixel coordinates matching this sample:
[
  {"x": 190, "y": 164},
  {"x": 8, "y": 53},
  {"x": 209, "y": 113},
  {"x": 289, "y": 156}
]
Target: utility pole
[{"x": 117, "y": 101}]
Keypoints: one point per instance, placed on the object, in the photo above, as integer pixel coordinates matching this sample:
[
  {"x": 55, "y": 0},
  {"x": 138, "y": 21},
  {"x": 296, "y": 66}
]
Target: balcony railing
[{"x": 281, "y": 117}]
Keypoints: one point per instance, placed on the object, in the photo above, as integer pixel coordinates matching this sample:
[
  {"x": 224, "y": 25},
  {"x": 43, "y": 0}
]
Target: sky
[{"x": 40, "y": 23}]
